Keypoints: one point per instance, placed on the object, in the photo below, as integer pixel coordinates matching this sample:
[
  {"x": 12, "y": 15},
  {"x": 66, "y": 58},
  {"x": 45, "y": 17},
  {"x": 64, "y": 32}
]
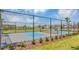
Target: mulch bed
[
  {"x": 47, "y": 43},
  {"x": 31, "y": 46}
]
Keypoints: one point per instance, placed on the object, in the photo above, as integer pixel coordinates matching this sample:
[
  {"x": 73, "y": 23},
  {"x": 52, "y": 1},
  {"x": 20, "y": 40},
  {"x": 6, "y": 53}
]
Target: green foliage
[
  {"x": 68, "y": 23},
  {"x": 22, "y": 44},
  {"x": 60, "y": 37},
  {"x": 41, "y": 40},
  {"x": 52, "y": 39},
  {"x": 64, "y": 36},
  {"x": 66, "y": 44},
  {"x": 33, "y": 42},
  {"x": 11, "y": 47},
  {"x": 47, "y": 39},
  {"x": 76, "y": 48},
  {"x": 56, "y": 37}
]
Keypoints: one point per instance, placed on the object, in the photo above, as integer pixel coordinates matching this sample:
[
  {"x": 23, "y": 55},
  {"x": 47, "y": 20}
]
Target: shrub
[
  {"x": 70, "y": 35},
  {"x": 63, "y": 36},
  {"x": 11, "y": 47},
  {"x": 41, "y": 40},
  {"x": 22, "y": 44},
  {"x": 60, "y": 37},
  {"x": 47, "y": 39},
  {"x": 2, "y": 48},
  {"x": 56, "y": 37},
  {"x": 66, "y": 34},
  {"x": 19, "y": 44},
  {"x": 33, "y": 42},
  {"x": 52, "y": 39}
]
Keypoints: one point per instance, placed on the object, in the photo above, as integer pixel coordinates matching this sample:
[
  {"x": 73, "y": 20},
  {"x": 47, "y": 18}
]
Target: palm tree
[{"x": 68, "y": 23}]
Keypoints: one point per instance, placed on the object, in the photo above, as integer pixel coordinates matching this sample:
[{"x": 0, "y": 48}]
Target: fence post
[
  {"x": 15, "y": 27},
  {"x": 61, "y": 28},
  {"x": 50, "y": 27},
  {"x": 33, "y": 42},
  {"x": 0, "y": 28}
]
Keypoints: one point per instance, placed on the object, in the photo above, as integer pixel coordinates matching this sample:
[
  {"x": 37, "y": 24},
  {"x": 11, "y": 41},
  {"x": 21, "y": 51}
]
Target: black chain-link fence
[{"x": 15, "y": 22}]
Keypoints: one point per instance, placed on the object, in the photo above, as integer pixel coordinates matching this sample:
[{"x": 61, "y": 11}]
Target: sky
[{"x": 59, "y": 14}]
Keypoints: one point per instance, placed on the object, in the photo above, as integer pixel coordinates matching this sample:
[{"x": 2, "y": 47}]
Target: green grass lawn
[
  {"x": 13, "y": 31},
  {"x": 67, "y": 44},
  {"x": 22, "y": 30}
]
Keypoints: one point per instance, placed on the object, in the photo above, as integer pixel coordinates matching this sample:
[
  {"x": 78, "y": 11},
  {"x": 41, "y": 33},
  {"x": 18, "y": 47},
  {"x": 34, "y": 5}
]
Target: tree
[
  {"x": 24, "y": 28},
  {"x": 74, "y": 27},
  {"x": 39, "y": 27},
  {"x": 68, "y": 23},
  {"x": 78, "y": 26},
  {"x": 56, "y": 29}
]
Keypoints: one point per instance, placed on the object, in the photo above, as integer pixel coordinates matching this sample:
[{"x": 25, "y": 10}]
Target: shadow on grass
[{"x": 75, "y": 48}]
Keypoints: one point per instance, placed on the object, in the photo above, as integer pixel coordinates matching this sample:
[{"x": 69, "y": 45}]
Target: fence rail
[{"x": 47, "y": 24}]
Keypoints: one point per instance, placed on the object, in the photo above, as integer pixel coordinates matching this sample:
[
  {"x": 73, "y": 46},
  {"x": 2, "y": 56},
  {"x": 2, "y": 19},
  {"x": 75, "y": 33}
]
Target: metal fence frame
[{"x": 33, "y": 16}]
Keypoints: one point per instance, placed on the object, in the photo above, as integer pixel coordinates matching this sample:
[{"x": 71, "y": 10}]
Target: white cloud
[
  {"x": 28, "y": 20},
  {"x": 25, "y": 19},
  {"x": 40, "y": 10},
  {"x": 57, "y": 16},
  {"x": 28, "y": 11},
  {"x": 19, "y": 18},
  {"x": 14, "y": 18},
  {"x": 67, "y": 12}
]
